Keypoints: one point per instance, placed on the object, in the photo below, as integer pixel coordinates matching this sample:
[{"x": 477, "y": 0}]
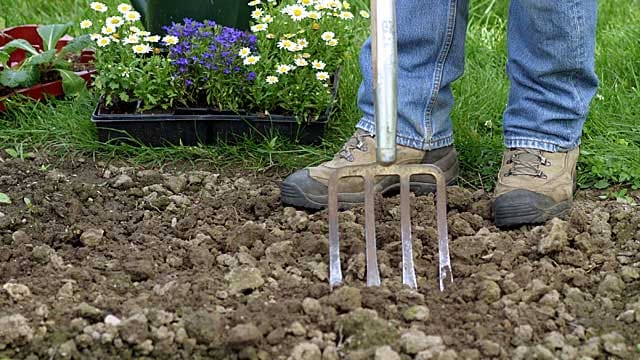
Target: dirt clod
[
  {"x": 244, "y": 279},
  {"x": 92, "y": 237},
  {"x": 386, "y": 353},
  {"x": 306, "y": 351},
  {"x": 14, "y": 331},
  {"x": 244, "y": 334},
  {"x": 346, "y": 298},
  {"x": 17, "y": 291}
]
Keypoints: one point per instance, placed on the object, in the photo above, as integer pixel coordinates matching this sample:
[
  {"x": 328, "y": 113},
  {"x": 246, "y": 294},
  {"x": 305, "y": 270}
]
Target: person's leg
[
  {"x": 430, "y": 56},
  {"x": 431, "y": 38},
  {"x": 551, "y": 48}
]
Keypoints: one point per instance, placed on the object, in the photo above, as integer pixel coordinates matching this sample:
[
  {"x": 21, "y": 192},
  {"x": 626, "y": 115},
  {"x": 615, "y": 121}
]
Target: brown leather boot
[
  {"x": 308, "y": 188},
  {"x": 534, "y": 186}
]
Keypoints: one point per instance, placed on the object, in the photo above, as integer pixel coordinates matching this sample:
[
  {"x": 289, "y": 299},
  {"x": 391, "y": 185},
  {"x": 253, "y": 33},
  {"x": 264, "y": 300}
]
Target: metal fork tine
[
  {"x": 335, "y": 273},
  {"x": 443, "y": 239},
  {"x": 408, "y": 269},
  {"x": 373, "y": 275}
]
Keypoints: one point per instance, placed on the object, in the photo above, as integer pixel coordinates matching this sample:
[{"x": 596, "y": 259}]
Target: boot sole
[
  {"x": 292, "y": 195},
  {"x": 524, "y": 207}
]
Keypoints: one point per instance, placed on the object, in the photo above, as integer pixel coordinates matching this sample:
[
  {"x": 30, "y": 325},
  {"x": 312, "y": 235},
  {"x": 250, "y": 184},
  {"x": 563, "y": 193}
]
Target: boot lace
[
  {"x": 527, "y": 162},
  {"x": 355, "y": 142}
]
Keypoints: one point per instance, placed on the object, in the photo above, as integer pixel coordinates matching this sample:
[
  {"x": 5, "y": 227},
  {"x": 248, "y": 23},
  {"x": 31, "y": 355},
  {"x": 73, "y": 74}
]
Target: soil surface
[{"x": 99, "y": 261}]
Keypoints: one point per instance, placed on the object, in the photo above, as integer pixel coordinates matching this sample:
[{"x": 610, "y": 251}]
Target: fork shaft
[
  {"x": 385, "y": 78},
  {"x": 408, "y": 269},
  {"x": 373, "y": 275}
]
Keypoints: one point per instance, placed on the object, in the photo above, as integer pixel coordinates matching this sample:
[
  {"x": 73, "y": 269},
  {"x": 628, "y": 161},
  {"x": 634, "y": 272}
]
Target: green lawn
[{"x": 611, "y": 142}]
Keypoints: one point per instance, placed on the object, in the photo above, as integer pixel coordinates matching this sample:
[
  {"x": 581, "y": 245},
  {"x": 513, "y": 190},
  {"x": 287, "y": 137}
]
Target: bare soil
[{"x": 99, "y": 261}]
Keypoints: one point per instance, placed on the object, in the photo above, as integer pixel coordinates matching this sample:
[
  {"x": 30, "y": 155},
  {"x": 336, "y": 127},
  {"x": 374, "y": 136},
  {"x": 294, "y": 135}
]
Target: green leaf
[
  {"x": 601, "y": 184},
  {"x": 4, "y": 198},
  {"x": 12, "y": 152},
  {"x": 19, "y": 78},
  {"x": 50, "y": 34},
  {"x": 71, "y": 83},
  {"x": 42, "y": 58},
  {"x": 3, "y": 23},
  {"x": 76, "y": 45},
  {"x": 4, "y": 58},
  {"x": 19, "y": 44}
]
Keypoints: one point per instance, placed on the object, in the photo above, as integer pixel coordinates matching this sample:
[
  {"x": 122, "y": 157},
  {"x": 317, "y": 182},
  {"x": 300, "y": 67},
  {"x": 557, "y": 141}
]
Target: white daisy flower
[
  {"x": 346, "y": 5},
  {"x": 284, "y": 68},
  {"x": 306, "y": 55},
  {"x": 289, "y": 35},
  {"x": 272, "y": 79},
  {"x": 346, "y": 15},
  {"x": 170, "y": 40},
  {"x": 302, "y": 42},
  {"x": 301, "y": 62},
  {"x": 95, "y": 36},
  {"x": 259, "y": 27},
  {"x": 103, "y": 41},
  {"x": 152, "y": 39},
  {"x": 144, "y": 33},
  {"x": 114, "y": 21},
  {"x": 332, "y": 42},
  {"x": 124, "y": 8},
  {"x": 270, "y": 36},
  {"x": 335, "y": 4},
  {"x": 257, "y": 13},
  {"x": 244, "y": 52},
  {"x": 108, "y": 30},
  {"x": 131, "y": 39},
  {"x": 364, "y": 14},
  {"x": 285, "y": 44},
  {"x": 142, "y": 49},
  {"x": 296, "y": 12},
  {"x": 305, "y": 2},
  {"x": 318, "y": 65},
  {"x": 132, "y": 16},
  {"x": 267, "y": 19},
  {"x": 327, "y": 35},
  {"x": 98, "y": 6},
  {"x": 294, "y": 47},
  {"x": 315, "y": 15},
  {"x": 134, "y": 29},
  {"x": 85, "y": 24},
  {"x": 322, "y": 75},
  {"x": 250, "y": 60},
  {"x": 255, "y": 2}
]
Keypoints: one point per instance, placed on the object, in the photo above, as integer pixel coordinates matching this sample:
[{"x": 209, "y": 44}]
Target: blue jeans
[{"x": 551, "y": 50}]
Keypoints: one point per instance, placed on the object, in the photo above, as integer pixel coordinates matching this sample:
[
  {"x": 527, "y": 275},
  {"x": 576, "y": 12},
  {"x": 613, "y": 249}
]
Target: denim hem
[
  {"x": 538, "y": 144},
  {"x": 420, "y": 144}
]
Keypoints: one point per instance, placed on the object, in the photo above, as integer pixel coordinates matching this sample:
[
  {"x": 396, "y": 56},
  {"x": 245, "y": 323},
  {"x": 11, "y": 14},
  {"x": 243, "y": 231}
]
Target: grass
[{"x": 611, "y": 142}]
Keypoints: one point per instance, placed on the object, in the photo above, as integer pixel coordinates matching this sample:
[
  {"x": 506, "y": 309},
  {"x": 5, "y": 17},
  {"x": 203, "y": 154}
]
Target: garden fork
[{"x": 385, "y": 75}]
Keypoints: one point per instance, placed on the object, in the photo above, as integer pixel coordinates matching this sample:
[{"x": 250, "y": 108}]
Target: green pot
[{"x": 159, "y": 13}]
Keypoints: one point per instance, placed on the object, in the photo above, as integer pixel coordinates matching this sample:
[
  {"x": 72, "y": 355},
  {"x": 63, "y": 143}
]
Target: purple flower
[{"x": 251, "y": 76}]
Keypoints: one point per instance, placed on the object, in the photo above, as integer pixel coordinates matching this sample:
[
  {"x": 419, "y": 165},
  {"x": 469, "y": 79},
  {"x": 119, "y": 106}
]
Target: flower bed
[{"x": 285, "y": 67}]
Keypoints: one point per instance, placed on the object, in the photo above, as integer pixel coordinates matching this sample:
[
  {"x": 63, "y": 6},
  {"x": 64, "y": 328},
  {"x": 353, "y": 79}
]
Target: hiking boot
[
  {"x": 534, "y": 186},
  {"x": 308, "y": 188}
]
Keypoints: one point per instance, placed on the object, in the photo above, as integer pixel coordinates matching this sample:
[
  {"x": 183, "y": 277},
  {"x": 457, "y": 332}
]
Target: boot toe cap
[{"x": 301, "y": 190}]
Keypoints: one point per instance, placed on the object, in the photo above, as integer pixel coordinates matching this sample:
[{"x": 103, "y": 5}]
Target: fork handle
[{"x": 385, "y": 78}]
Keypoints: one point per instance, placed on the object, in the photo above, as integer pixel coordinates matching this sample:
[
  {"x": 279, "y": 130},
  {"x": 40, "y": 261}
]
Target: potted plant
[
  {"x": 202, "y": 81},
  {"x": 36, "y": 61}
]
